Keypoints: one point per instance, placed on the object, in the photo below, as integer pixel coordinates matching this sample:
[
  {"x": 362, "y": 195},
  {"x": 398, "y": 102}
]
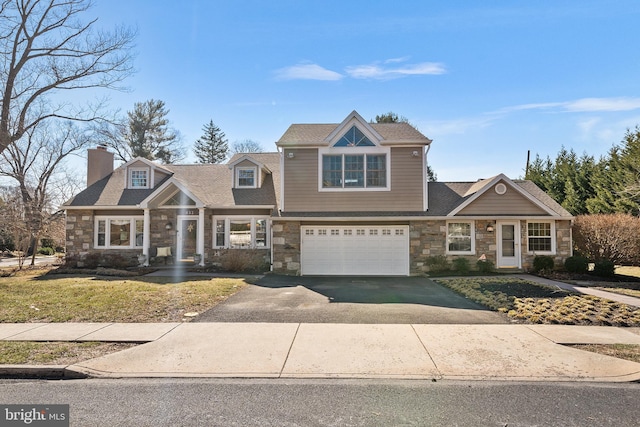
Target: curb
[{"x": 47, "y": 372}]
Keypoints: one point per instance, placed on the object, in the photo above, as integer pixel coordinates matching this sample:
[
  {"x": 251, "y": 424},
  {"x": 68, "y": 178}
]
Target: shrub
[
  {"x": 576, "y": 264},
  {"x": 604, "y": 268},
  {"x": 46, "y": 242},
  {"x": 243, "y": 260},
  {"x": 542, "y": 262},
  {"x": 437, "y": 264},
  {"x": 46, "y": 251},
  {"x": 117, "y": 261},
  {"x": 611, "y": 237},
  {"x": 461, "y": 265},
  {"x": 484, "y": 266},
  {"x": 91, "y": 260}
]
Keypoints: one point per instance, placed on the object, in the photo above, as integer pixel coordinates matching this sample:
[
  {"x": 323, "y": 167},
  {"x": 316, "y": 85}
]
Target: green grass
[
  {"x": 621, "y": 351},
  {"x": 54, "y": 353},
  {"x": 55, "y": 298},
  {"x": 529, "y": 302}
]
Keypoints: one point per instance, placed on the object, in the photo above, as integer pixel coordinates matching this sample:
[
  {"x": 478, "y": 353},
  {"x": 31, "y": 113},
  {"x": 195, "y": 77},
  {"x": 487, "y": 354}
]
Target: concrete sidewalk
[
  {"x": 625, "y": 299},
  {"x": 304, "y": 350}
]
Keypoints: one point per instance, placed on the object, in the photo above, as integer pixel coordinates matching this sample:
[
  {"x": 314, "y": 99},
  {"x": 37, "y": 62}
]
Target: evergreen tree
[
  {"x": 211, "y": 147},
  {"x": 148, "y": 134}
]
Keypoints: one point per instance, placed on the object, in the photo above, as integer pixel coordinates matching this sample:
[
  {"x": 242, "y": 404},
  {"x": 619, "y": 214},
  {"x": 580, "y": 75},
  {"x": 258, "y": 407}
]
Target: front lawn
[
  {"x": 56, "y": 298},
  {"x": 529, "y": 302}
]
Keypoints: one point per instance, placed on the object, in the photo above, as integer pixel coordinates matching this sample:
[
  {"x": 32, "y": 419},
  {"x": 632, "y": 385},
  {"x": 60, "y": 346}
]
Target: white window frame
[
  {"x": 107, "y": 231},
  {"x": 254, "y": 169},
  {"x": 472, "y": 232},
  {"x": 227, "y": 231},
  {"x": 139, "y": 169},
  {"x": 552, "y": 238},
  {"x": 355, "y": 151}
]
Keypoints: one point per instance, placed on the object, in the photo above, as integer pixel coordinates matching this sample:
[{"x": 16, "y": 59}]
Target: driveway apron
[{"x": 382, "y": 300}]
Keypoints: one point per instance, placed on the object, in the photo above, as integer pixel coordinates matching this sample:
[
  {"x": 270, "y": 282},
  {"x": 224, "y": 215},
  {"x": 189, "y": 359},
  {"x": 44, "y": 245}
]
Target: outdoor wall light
[
  {"x": 489, "y": 228},
  {"x": 169, "y": 226},
  {"x": 290, "y": 155},
  {"x": 415, "y": 153}
]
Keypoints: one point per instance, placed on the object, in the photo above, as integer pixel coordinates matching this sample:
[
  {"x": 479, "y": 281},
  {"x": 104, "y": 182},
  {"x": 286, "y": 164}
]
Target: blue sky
[{"x": 487, "y": 81}]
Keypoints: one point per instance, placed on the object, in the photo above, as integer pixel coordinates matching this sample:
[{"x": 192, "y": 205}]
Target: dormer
[
  {"x": 143, "y": 174},
  {"x": 354, "y": 158},
  {"x": 247, "y": 172}
]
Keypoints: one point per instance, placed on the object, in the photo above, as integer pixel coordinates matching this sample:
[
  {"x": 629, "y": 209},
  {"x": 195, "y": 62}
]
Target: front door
[
  {"x": 187, "y": 237},
  {"x": 508, "y": 244}
]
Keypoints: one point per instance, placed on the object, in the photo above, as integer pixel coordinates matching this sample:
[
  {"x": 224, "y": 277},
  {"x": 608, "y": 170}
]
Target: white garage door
[{"x": 355, "y": 250}]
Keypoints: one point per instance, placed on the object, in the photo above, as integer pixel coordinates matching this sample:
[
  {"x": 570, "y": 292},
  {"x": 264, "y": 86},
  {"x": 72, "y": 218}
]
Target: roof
[
  {"x": 210, "y": 183},
  {"x": 316, "y": 134},
  {"x": 445, "y": 197}
]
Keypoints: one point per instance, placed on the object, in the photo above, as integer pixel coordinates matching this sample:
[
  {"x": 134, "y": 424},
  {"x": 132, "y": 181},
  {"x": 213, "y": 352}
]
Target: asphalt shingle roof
[
  {"x": 211, "y": 183},
  {"x": 315, "y": 134}
]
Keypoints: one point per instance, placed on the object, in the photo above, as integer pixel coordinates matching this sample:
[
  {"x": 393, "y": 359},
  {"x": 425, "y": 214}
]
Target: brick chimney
[{"x": 99, "y": 164}]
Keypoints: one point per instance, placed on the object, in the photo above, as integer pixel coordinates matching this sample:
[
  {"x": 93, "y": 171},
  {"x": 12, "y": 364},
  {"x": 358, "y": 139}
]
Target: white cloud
[
  {"x": 436, "y": 128},
  {"x": 583, "y": 105},
  {"x": 603, "y": 104},
  {"x": 307, "y": 71},
  {"x": 380, "y": 72}
]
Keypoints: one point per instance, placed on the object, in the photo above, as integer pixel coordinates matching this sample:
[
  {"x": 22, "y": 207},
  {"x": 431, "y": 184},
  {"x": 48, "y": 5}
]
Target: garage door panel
[{"x": 355, "y": 250}]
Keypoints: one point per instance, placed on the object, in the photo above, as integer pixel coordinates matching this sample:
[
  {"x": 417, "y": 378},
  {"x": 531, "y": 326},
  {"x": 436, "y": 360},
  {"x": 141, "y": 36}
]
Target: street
[{"x": 256, "y": 402}]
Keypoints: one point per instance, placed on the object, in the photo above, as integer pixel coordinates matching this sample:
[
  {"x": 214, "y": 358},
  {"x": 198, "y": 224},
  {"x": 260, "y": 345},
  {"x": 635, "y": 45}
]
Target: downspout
[{"x": 426, "y": 179}]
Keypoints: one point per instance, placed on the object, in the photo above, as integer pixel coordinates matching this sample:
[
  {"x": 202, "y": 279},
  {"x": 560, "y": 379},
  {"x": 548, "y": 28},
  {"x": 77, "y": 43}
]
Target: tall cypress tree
[{"x": 212, "y": 146}]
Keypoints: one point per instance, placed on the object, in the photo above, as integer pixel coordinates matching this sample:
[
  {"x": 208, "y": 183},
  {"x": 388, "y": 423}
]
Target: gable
[
  {"x": 502, "y": 199},
  {"x": 179, "y": 198}
]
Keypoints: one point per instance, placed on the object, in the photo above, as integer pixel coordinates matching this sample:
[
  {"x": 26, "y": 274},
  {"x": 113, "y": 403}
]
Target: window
[
  {"x": 119, "y": 232},
  {"x": 354, "y": 171},
  {"x": 246, "y": 178},
  {"x": 240, "y": 232},
  {"x": 540, "y": 237},
  {"x": 460, "y": 238},
  {"x": 354, "y": 138},
  {"x": 138, "y": 178},
  {"x": 220, "y": 233}
]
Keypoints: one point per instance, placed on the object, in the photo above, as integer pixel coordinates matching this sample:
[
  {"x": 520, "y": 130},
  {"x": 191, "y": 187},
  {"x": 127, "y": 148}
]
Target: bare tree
[
  {"x": 36, "y": 163},
  {"x": 45, "y": 48},
  {"x": 246, "y": 146}
]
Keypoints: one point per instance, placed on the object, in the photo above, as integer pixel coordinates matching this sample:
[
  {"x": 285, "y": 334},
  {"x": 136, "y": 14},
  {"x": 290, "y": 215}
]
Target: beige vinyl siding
[
  {"x": 246, "y": 164},
  {"x": 158, "y": 176},
  {"x": 301, "y": 186},
  {"x": 510, "y": 203}
]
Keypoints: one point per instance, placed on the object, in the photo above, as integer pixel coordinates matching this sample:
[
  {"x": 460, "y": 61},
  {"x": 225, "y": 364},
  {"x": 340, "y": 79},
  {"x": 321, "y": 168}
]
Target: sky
[{"x": 486, "y": 81}]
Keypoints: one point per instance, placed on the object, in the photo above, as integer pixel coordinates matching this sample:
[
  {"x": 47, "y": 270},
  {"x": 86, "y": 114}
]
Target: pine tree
[
  {"x": 149, "y": 135},
  {"x": 211, "y": 147}
]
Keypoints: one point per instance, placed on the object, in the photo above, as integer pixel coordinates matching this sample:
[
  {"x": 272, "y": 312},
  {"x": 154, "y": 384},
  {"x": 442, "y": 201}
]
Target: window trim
[
  {"x": 107, "y": 231},
  {"x": 133, "y": 169},
  {"x": 254, "y": 169},
  {"x": 552, "y": 237},
  {"x": 227, "y": 230},
  {"x": 354, "y": 151},
  {"x": 472, "y": 232}
]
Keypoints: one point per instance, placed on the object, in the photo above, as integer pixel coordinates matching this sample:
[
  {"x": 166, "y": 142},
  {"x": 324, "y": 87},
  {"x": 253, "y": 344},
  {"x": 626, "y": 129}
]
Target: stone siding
[
  {"x": 79, "y": 233},
  {"x": 286, "y": 247}
]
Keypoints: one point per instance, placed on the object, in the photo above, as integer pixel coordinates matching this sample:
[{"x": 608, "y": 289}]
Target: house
[{"x": 351, "y": 198}]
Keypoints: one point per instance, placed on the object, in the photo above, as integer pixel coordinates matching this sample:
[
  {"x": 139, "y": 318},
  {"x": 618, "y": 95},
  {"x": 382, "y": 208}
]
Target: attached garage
[{"x": 355, "y": 250}]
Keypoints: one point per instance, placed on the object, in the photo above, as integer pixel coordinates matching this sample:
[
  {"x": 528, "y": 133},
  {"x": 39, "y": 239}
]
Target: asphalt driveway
[{"x": 384, "y": 300}]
